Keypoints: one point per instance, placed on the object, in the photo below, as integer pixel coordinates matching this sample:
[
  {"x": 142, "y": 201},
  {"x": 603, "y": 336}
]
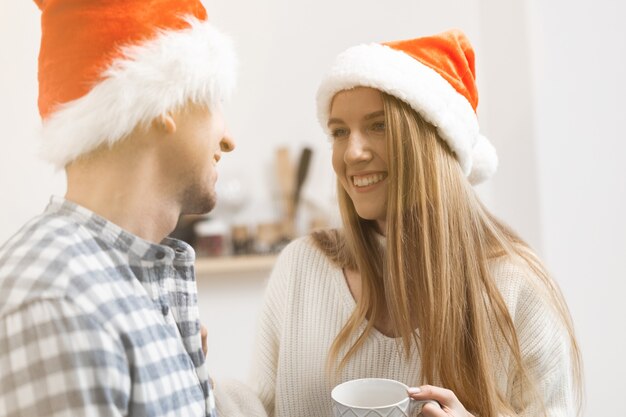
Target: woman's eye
[
  {"x": 339, "y": 133},
  {"x": 378, "y": 126}
]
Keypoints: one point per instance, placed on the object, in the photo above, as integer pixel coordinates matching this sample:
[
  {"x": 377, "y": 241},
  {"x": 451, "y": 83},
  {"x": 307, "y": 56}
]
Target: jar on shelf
[
  {"x": 212, "y": 238},
  {"x": 242, "y": 242}
]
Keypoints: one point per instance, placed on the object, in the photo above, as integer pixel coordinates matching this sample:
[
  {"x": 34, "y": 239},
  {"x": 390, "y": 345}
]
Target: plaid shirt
[{"x": 95, "y": 321}]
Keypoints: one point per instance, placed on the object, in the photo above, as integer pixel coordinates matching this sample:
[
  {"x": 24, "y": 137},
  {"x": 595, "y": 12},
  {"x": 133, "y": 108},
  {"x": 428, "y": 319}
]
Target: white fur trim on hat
[
  {"x": 195, "y": 64},
  {"x": 398, "y": 74}
]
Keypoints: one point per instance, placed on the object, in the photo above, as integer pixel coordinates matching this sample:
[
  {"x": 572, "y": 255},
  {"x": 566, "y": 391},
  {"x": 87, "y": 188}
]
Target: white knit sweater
[{"x": 308, "y": 301}]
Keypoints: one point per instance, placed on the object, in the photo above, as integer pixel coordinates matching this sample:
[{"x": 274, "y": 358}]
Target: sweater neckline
[{"x": 344, "y": 291}]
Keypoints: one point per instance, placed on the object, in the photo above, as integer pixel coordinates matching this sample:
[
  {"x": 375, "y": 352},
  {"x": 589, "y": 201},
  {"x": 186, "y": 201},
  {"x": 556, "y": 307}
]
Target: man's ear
[{"x": 165, "y": 122}]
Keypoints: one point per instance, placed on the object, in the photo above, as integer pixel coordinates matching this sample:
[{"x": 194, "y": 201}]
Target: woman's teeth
[{"x": 365, "y": 180}]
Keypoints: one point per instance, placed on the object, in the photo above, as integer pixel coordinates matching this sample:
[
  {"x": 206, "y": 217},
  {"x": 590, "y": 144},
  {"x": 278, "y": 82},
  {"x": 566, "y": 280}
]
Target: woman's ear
[{"x": 165, "y": 122}]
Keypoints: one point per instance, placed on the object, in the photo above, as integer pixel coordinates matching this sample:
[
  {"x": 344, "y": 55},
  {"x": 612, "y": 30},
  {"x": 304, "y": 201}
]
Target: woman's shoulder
[
  {"x": 517, "y": 270},
  {"x": 303, "y": 252},
  {"x": 511, "y": 272},
  {"x": 525, "y": 286},
  {"x": 301, "y": 266},
  {"x": 299, "y": 246},
  {"x": 326, "y": 242}
]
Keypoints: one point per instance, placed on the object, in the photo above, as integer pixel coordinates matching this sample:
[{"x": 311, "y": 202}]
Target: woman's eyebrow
[
  {"x": 369, "y": 116},
  {"x": 374, "y": 115}
]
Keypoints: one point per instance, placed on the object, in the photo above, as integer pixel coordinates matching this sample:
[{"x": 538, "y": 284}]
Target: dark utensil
[{"x": 303, "y": 169}]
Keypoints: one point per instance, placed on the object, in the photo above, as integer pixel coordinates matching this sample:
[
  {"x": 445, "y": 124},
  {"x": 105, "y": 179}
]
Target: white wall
[
  {"x": 578, "y": 67},
  {"x": 228, "y": 307},
  {"x": 506, "y": 115},
  {"x": 551, "y": 81},
  {"x": 25, "y": 181}
]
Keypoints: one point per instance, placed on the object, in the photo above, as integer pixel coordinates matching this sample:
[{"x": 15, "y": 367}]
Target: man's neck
[{"x": 128, "y": 193}]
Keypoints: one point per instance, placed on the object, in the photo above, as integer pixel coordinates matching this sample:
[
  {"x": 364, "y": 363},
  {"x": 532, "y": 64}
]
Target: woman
[{"x": 422, "y": 284}]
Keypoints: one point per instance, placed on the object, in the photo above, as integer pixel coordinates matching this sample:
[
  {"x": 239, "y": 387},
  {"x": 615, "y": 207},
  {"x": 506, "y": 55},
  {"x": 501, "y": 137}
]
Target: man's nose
[{"x": 227, "y": 144}]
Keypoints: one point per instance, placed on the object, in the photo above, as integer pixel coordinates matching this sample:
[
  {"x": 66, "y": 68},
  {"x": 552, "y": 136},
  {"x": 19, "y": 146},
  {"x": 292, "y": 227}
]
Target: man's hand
[{"x": 203, "y": 336}]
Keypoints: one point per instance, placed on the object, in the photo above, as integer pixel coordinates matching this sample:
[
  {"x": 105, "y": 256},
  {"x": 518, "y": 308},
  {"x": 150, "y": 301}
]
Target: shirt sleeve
[
  {"x": 269, "y": 333},
  {"x": 57, "y": 360},
  {"x": 546, "y": 351},
  {"x": 235, "y": 399}
]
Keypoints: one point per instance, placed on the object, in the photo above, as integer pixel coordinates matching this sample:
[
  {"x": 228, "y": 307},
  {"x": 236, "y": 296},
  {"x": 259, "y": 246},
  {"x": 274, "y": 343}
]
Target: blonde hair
[{"x": 440, "y": 240}]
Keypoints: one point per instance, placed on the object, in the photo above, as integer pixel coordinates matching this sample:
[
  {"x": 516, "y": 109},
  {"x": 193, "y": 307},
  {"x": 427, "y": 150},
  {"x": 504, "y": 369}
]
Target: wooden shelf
[{"x": 235, "y": 264}]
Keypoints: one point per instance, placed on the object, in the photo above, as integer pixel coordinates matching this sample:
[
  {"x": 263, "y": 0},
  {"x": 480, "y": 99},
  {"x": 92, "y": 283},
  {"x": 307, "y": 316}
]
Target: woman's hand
[{"x": 450, "y": 405}]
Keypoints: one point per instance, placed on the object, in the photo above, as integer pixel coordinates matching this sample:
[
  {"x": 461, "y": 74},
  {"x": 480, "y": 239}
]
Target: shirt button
[{"x": 165, "y": 309}]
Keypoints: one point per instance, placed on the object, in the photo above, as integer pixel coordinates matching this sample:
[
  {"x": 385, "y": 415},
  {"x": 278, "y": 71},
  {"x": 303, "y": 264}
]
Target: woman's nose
[{"x": 358, "y": 149}]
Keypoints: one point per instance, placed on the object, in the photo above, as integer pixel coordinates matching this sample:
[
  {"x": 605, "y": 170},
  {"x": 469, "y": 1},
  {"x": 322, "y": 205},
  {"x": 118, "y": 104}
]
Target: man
[{"x": 98, "y": 308}]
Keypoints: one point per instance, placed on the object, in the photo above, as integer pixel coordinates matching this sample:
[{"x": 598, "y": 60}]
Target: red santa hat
[
  {"x": 106, "y": 66},
  {"x": 435, "y": 75}
]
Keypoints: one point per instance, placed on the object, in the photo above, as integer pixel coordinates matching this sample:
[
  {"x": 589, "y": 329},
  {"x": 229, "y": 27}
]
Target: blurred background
[{"x": 551, "y": 76}]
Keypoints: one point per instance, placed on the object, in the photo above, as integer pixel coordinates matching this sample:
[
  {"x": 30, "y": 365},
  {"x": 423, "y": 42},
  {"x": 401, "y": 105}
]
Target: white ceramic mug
[{"x": 374, "y": 397}]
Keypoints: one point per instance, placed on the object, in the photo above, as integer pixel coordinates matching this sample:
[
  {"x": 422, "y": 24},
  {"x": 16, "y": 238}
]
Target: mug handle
[{"x": 415, "y": 406}]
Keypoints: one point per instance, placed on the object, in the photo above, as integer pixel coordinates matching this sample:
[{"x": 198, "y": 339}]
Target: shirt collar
[{"x": 169, "y": 251}]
